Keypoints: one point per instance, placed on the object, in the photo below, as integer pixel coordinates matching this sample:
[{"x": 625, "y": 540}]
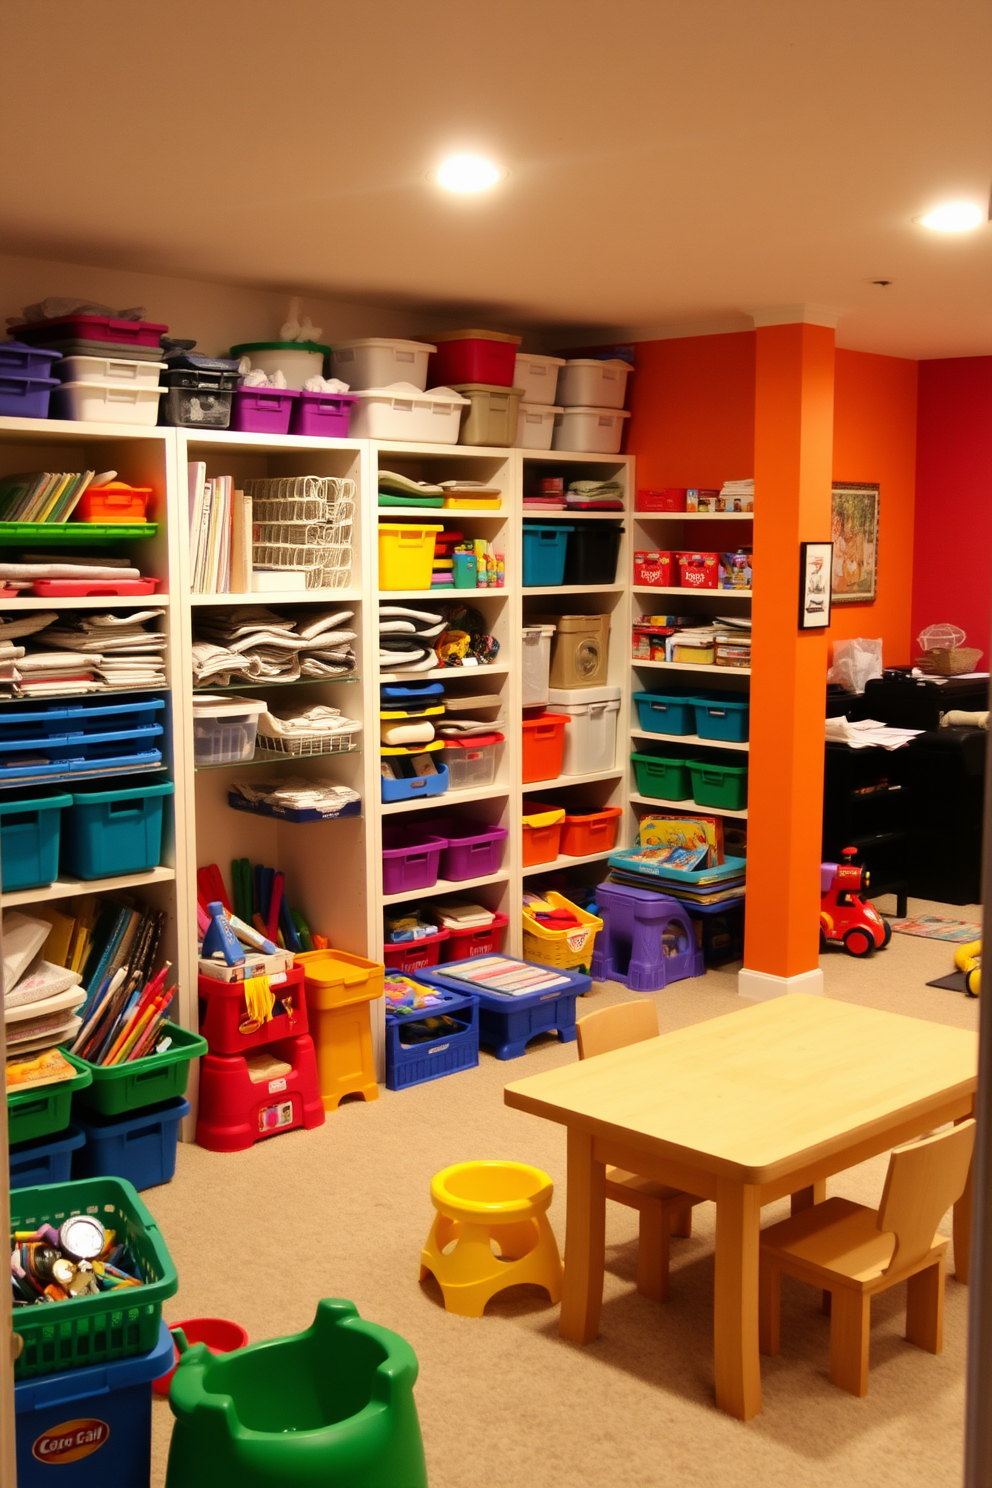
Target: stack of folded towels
[
  {"x": 81, "y": 652},
  {"x": 252, "y": 643}
]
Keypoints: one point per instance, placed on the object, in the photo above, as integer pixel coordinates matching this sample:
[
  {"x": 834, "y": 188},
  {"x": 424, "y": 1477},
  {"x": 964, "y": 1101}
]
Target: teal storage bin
[
  {"x": 114, "y": 831},
  {"x": 29, "y": 841},
  {"x": 719, "y": 785},
  {"x": 545, "y": 546},
  {"x": 661, "y": 778},
  {"x": 665, "y": 713},
  {"x": 723, "y": 718}
]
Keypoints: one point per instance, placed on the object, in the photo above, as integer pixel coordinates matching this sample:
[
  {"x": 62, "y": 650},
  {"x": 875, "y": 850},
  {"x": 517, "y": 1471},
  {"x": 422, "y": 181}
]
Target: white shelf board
[
  {"x": 277, "y": 596},
  {"x": 693, "y": 739},
  {"x": 386, "y": 596},
  {"x": 573, "y": 589},
  {"x": 689, "y": 807},
  {"x": 447, "y": 886},
  {"x": 67, "y": 888},
  {"x": 233, "y": 440},
  {"x": 564, "y": 513},
  {"x": 447, "y": 798},
  {"x": 397, "y": 513},
  {"x": 646, "y": 516},
  {"x": 433, "y": 674},
  {"x": 389, "y": 449},
  {"x": 85, "y": 602},
  {"x": 44, "y": 431},
  {"x": 563, "y": 861},
  {"x": 578, "y": 457},
  {"x": 691, "y": 666},
  {"x": 563, "y": 780},
  {"x": 720, "y": 594}
]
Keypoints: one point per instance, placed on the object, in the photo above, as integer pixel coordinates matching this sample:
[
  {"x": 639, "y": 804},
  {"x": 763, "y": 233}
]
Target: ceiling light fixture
[
  {"x": 953, "y": 217},
  {"x": 466, "y": 173}
]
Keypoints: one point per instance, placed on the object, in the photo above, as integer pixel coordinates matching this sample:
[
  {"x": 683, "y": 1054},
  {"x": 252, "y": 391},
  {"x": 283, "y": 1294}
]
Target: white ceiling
[{"x": 670, "y": 163}]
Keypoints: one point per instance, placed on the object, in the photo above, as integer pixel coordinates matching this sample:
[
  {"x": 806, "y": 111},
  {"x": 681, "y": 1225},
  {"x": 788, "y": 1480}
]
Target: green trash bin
[{"x": 333, "y": 1404}]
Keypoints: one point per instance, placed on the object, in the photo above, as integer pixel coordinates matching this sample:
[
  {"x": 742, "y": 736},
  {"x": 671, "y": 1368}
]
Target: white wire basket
[
  {"x": 304, "y": 523},
  {"x": 306, "y": 509},
  {"x": 291, "y": 534},
  {"x": 307, "y": 744}
]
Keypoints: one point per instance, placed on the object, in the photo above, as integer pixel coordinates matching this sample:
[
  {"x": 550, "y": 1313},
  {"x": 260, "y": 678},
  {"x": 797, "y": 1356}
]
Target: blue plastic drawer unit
[
  {"x": 409, "y": 1063},
  {"x": 507, "y": 1024},
  {"x": 48, "y": 744},
  {"x": 29, "y": 840},
  {"x": 114, "y": 831},
  {"x": 140, "y": 1146}
]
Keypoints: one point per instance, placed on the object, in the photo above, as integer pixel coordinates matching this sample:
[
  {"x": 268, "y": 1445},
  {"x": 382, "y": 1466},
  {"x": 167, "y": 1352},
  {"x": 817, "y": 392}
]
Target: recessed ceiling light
[
  {"x": 468, "y": 173},
  {"x": 953, "y": 217}
]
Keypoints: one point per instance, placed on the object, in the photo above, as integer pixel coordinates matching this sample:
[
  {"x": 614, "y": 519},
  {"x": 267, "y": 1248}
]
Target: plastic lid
[
  {"x": 212, "y": 705},
  {"x": 247, "y": 347},
  {"x": 487, "y": 387},
  {"x": 476, "y": 335},
  {"x": 613, "y": 412},
  {"x": 407, "y": 393},
  {"x": 584, "y": 695},
  {"x": 408, "y": 527},
  {"x": 538, "y": 630},
  {"x": 104, "y": 385},
  {"x": 117, "y": 487},
  {"x": 600, "y": 362},
  {"x": 474, "y": 741},
  {"x": 537, "y": 356},
  {"x": 382, "y": 341}
]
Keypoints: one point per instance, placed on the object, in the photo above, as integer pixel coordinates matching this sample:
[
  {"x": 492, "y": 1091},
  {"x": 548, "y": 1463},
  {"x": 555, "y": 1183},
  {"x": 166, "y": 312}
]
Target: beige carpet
[{"x": 260, "y": 1236}]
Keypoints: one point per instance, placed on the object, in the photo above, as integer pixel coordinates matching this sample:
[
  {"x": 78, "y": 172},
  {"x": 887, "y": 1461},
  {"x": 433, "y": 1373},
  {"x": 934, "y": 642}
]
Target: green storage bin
[
  {"x": 109, "y": 1325},
  {"x": 35, "y": 1113},
  {"x": 719, "y": 785},
  {"x": 663, "y": 778},
  {"x": 143, "y": 1082}
]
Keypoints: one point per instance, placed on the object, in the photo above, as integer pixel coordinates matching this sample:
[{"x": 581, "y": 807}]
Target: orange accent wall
[
  {"x": 875, "y": 440},
  {"x": 692, "y": 410}
]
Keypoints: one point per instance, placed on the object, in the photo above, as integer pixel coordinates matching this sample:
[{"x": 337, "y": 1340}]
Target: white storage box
[
  {"x": 113, "y": 370},
  {"x": 224, "y": 728},
  {"x": 589, "y": 431},
  {"x": 410, "y": 417},
  {"x": 536, "y": 665},
  {"x": 376, "y": 361},
  {"x": 589, "y": 383},
  {"x": 535, "y": 426},
  {"x": 538, "y": 376},
  {"x": 106, "y": 403},
  {"x": 591, "y": 736},
  {"x": 296, "y": 360}
]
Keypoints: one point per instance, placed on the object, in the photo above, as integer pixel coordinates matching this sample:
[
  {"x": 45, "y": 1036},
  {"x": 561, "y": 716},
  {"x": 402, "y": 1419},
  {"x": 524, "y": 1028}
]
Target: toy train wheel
[
  {"x": 858, "y": 943},
  {"x": 888, "y": 934}
]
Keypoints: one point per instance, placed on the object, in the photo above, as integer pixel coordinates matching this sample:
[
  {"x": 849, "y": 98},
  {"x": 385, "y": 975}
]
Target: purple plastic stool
[{"x": 630, "y": 947}]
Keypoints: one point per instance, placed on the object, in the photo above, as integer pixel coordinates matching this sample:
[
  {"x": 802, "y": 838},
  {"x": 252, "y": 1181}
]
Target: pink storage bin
[
  {"x": 414, "y": 955},
  {"x": 322, "y": 415},
  {"x": 262, "y": 410},
  {"x": 475, "y": 942},
  {"x": 92, "y": 328},
  {"x": 410, "y": 857},
  {"x": 473, "y": 849},
  {"x": 473, "y": 356}
]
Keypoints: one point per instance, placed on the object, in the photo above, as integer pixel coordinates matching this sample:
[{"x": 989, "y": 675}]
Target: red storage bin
[
  {"x": 671, "y": 499},
  {"x": 544, "y": 747},
  {"x": 414, "y": 955},
  {"x": 92, "y": 328},
  {"x": 476, "y": 942},
  {"x": 698, "y": 570},
  {"x": 473, "y": 356},
  {"x": 224, "y": 1021},
  {"x": 592, "y": 832},
  {"x": 654, "y": 569},
  {"x": 114, "y": 502}
]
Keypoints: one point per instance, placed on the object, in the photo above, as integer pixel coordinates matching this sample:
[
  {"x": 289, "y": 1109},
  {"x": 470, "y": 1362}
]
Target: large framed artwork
[{"x": 855, "y": 537}]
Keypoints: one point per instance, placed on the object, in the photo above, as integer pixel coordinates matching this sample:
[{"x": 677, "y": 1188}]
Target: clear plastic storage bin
[
  {"x": 224, "y": 729},
  {"x": 536, "y": 665},
  {"x": 471, "y": 761}
]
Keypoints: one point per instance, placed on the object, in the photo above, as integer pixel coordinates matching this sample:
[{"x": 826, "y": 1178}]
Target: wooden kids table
[{"x": 745, "y": 1109}]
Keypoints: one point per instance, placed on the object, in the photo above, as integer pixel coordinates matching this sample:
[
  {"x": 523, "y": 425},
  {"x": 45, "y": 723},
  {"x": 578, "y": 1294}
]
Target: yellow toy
[{"x": 967, "y": 958}]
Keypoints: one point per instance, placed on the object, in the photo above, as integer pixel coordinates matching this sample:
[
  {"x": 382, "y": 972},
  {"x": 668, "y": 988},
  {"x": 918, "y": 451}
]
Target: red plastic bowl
[{"x": 220, "y": 1336}]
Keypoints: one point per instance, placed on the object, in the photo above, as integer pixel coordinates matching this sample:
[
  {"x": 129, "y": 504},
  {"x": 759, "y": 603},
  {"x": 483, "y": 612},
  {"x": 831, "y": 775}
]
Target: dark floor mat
[{"x": 952, "y": 983}]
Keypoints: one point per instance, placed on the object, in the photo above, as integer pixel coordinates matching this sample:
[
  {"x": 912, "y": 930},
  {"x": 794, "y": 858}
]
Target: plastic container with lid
[
  {"x": 296, "y": 360},
  {"x": 93, "y": 328},
  {"x": 545, "y": 545},
  {"x": 491, "y": 417},
  {"x": 473, "y": 356},
  {"x": 195, "y": 405},
  {"x": 224, "y": 728},
  {"x": 121, "y": 371},
  {"x": 581, "y": 651},
  {"x": 542, "y": 827},
  {"x": 377, "y": 361},
  {"x": 471, "y": 761},
  {"x": 587, "y": 382},
  {"x": 591, "y": 737},
  {"x": 114, "y": 502},
  {"x": 589, "y": 431},
  {"x": 535, "y": 426},
  {"x": 398, "y": 413},
  {"x": 410, "y": 858},
  {"x": 322, "y": 415},
  {"x": 538, "y": 377},
  {"x": 25, "y": 397},
  {"x": 258, "y": 410},
  {"x": 406, "y": 554},
  {"x": 27, "y": 361},
  {"x": 587, "y": 832},
  {"x": 593, "y": 552},
  {"x": 535, "y": 665},
  {"x": 543, "y": 746},
  {"x": 106, "y": 403}
]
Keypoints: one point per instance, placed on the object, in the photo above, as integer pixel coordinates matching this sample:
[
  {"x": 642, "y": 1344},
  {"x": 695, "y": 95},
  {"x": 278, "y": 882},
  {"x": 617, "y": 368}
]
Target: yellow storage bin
[
  {"x": 566, "y": 950},
  {"x": 406, "y": 555},
  {"x": 339, "y": 988}
]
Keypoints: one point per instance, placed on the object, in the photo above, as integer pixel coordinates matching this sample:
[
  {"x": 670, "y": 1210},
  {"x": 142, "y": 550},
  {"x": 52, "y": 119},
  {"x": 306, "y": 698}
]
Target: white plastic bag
[{"x": 855, "y": 663}]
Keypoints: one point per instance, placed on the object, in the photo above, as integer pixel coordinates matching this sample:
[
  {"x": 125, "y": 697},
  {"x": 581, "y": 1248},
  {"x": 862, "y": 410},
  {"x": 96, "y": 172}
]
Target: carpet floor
[{"x": 260, "y": 1236}]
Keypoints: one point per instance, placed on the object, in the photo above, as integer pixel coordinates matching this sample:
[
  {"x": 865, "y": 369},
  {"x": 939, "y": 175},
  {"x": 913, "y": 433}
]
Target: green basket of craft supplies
[
  {"x": 34, "y": 1112},
  {"x": 83, "y": 534},
  {"x": 719, "y": 785},
  {"x": 118, "y": 1088},
  {"x": 107, "y": 1325}
]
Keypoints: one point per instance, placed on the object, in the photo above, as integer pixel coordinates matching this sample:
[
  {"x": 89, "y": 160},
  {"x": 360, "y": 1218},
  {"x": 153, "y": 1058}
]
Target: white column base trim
[{"x": 759, "y": 986}]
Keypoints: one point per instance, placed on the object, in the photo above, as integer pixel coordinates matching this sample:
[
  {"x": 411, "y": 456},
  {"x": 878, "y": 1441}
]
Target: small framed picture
[{"x": 815, "y": 568}]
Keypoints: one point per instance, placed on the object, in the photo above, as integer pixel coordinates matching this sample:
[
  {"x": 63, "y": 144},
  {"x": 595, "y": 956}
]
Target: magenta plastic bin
[
  {"x": 326, "y": 415},
  {"x": 473, "y": 848},
  {"x": 262, "y": 410},
  {"x": 410, "y": 858},
  {"x": 25, "y": 397},
  {"x": 93, "y": 328}
]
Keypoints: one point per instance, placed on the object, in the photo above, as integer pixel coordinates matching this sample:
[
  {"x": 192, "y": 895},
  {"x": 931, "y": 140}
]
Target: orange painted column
[{"x": 794, "y": 388}]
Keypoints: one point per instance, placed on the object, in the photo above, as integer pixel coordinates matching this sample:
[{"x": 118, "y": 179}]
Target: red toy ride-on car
[{"x": 844, "y": 915}]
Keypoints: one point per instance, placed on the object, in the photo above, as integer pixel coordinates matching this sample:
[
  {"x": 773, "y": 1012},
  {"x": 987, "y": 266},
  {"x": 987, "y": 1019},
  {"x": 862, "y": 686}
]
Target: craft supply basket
[{"x": 566, "y": 950}]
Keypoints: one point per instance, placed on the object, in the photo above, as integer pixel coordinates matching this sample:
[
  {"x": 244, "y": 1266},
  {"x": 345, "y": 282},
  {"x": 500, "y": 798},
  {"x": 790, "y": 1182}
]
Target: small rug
[{"x": 933, "y": 927}]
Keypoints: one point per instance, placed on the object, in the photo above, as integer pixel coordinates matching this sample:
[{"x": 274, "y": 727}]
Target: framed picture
[
  {"x": 815, "y": 564},
  {"x": 855, "y": 536}
]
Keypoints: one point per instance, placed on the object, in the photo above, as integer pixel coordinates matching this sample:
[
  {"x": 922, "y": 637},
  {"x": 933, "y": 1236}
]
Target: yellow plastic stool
[{"x": 480, "y": 1202}]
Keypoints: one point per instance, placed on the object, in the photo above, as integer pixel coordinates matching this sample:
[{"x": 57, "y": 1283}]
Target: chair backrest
[
  {"x": 615, "y": 1027},
  {"x": 924, "y": 1179}
]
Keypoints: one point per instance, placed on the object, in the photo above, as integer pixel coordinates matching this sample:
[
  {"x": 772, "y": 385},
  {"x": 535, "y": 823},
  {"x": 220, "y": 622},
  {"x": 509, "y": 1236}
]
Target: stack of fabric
[
  {"x": 40, "y": 998},
  {"x": 737, "y": 495},
  {"x": 594, "y": 496},
  {"x": 253, "y": 643},
  {"x": 308, "y": 726},
  {"x": 82, "y": 652},
  {"x": 412, "y": 639},
  {"x": 442, "y": 568},
  {"x": 33, "y": 566},
  {"x": 400, "y": 490}
]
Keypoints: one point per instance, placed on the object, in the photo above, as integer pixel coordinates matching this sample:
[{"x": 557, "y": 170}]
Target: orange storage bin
[
  {"x": 114, "y": 502},
  {"x": 542, "y": 833},
  {"x": 591, "y": 832},
  {"x": 544, "y": 747}
]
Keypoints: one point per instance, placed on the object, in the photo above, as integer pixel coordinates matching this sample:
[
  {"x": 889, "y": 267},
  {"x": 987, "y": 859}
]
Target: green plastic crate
[
  {"x": 83, "y": 533},
  {"x": 109, "y": 1325},
  {"x": 143, "y": 1082},
  {"x": 662, "y": 778},
  {"x": 719, "y": 785},
  {"x": 35, "y": 1113}
]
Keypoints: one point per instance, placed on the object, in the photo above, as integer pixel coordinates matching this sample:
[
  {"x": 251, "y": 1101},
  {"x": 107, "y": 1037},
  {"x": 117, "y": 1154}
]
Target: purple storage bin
[
  {"x": 410, "y": 857},
  {"x": 26, "y": 361},
  {"x": 473, "y": 848},
  {"x": 25, "y": 397},
  {"x": 257, "y": 410},
  {"x": 324, "y": 415}
]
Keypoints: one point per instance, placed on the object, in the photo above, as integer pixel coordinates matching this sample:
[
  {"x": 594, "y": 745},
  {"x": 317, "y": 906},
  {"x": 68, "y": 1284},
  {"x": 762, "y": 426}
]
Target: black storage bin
[
  {"x": 592, "y": 553},
  {"x": 946, "y": 773},
  {"x": 868, "y": 805},
  {"x": 197, "y": 399},
  {"x": 918, "y": 702}
]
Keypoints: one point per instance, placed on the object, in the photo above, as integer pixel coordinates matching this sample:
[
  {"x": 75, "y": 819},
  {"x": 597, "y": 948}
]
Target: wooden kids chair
[
  {"x": 852, "y": 1252},
  {"x": 662, "y": 1211}
]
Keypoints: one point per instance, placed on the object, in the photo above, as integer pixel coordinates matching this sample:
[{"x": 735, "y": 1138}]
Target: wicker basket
[{"x": 941, "y": 662}]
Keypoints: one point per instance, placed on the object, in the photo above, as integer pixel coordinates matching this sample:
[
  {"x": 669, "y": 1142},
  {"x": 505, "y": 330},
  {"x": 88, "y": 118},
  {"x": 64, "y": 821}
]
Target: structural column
[{"x": 792, "y": 475}]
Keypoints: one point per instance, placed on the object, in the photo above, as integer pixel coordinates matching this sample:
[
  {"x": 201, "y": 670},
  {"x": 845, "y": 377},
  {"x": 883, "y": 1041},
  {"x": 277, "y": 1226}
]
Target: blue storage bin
[
  {"x": 545, "y": 546},
  {"x": 46, "y": 1161},
  {"x": 114, "y": 831},
  {"x": 140, "y": 1147},
  {"x": 94, "y": 1424},
  {"x": 723, "y": 719},
  {"x": 29, "y": 841},
  {"x": 67, "y": 720},
  {"x": 57, "y": 757},
  {"x": 507, "y": 1024},
  {"x": 416, "y": 787},
  {"x": 665, "y": 713},
  {"x": 25, "y": 397},
  {"x": 415, "y": 1064},
  {"x": 404, "y": 693}
]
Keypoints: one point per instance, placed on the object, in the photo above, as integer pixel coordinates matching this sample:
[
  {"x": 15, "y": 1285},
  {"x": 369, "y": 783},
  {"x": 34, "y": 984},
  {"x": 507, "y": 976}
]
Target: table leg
[
  {"x": 962, "y": 1229},
  {"x": 735, "y": 1300},
  {"x": 585, "y": 1241},
  {"x": 805, "y": 1198}
]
